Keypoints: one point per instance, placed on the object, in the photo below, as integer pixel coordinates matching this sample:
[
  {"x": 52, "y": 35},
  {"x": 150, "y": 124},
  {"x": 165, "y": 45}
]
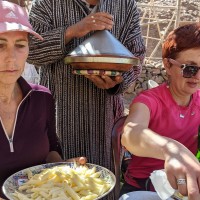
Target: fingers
[
  {"x": 97, "y": 80},
  {"x": 183, "y": 172},
  {"x": 100, "y": 21},
  {"x": 182, "y": 185},
  {"x": 111, "y": 81},
  {"x": 186, "y": 186},
  {"x": 172, "y": 180},
  {"x": 93, "y": 22},
  {"x": 80, "y": 160},
  {"x": 178, "y": 182},
  {"x": 198, "y": 182},
  {"x": 99, "y": 25},
  {"x": 103, "y": 14},
  {"x": 105, "y": 82},
  {"x": 193, "y": 188},
  {"x": 104, "y": 18},
  {"x": 118, "y": 79}
]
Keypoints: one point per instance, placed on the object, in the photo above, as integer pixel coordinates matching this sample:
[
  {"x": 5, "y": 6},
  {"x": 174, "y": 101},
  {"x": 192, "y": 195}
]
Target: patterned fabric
[
  {"x": 96, "y": 72},
  {"x": 85, "y": 113}
]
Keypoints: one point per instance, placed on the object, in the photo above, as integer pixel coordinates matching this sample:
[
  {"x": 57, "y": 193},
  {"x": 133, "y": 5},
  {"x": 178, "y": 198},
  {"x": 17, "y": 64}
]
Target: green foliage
[
  {"x": 198, "y": 152},
  {"x": 198, "y": 155}
]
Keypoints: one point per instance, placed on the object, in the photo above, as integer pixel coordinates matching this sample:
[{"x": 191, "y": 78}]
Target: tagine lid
[{"x": 102, "y": 48}]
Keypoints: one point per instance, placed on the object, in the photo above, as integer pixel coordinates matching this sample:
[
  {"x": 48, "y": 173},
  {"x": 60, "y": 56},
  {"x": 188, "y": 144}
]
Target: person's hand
[
  {"x": 183, "y": 172},
  {"x": 80, "y": 160},
  {"x": 93, "y": 22},
  {"x": 105, "y": 82}
]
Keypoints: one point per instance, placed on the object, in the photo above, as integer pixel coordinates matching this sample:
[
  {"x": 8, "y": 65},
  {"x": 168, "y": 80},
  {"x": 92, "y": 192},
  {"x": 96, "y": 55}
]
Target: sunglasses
[{"x": 188, "y": 70}]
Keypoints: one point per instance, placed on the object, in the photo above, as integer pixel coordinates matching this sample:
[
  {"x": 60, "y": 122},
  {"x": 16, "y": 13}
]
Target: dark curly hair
[{"x": 183, "y": 38}]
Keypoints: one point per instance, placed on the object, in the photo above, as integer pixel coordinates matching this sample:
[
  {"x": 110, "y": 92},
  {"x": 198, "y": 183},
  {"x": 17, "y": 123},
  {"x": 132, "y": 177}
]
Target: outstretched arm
[{"x": 143, "y": 142}]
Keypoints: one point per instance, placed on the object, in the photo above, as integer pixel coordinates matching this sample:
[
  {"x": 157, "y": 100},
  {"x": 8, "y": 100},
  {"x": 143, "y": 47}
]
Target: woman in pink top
[{"x": 161, "y": 130}]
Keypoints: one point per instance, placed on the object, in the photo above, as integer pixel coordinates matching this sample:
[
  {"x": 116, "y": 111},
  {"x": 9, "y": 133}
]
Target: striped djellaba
[{"x": 85, "y": 113}]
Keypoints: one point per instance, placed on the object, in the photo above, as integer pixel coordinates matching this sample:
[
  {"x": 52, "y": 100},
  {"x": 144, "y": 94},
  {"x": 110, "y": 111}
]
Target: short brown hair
[{"x": 180, "y": 39}]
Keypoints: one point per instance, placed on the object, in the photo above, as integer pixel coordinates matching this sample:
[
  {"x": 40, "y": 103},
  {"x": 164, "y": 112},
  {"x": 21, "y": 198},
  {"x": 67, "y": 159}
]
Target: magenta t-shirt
[{"x": 165, "y": 120}]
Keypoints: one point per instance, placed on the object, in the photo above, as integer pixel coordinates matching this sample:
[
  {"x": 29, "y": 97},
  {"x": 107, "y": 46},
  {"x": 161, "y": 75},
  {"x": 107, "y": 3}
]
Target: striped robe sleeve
[{"x": 52, "y": 48}]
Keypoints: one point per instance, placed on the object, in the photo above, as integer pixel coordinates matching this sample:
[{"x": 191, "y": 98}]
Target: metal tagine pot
[{"x": 101, "y": 51}]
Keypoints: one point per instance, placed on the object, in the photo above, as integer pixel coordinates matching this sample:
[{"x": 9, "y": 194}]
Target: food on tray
[{"x": 63, "y": 182}]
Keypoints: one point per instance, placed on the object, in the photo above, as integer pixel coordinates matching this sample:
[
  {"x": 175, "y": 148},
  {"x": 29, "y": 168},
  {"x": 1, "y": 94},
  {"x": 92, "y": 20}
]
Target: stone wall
[
  {"x": 151, "y": 71},
  {"x": 154, "y": 71}
]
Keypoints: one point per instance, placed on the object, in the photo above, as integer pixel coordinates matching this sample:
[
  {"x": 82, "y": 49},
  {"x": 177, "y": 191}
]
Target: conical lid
[
  {"x": 101, "y": 43},
  {"x": 101, "y": 51}
]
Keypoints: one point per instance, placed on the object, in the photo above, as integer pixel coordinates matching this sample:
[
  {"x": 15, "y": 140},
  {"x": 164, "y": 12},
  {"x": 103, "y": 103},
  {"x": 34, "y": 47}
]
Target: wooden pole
[{"x": 178, "y": 7}]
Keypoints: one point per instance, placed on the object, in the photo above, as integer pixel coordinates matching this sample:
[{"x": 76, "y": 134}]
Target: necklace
[
  {"x": 182, "y": 115},
  {"x": 186, "y": 111},
  {"x": 183, "y": 111}
]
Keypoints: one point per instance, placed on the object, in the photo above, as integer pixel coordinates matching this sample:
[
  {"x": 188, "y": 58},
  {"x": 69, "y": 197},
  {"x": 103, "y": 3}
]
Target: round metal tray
[{"x": 102, "y": 62}]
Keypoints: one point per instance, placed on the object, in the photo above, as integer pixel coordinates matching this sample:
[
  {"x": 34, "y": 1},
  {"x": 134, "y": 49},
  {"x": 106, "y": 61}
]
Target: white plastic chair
[
  {"x": 30, "y": 74},
  {"x": 152, "y": 84},
  {"x": 141, "y": 195}
]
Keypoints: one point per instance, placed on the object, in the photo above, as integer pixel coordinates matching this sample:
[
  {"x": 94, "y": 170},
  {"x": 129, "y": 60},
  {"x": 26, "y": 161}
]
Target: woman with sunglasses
[{"x": 161, "y": 130}]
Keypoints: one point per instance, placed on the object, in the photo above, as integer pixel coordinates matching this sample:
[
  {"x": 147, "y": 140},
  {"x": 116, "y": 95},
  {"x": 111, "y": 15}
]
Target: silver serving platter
[{"x": 14, "y": 181}]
